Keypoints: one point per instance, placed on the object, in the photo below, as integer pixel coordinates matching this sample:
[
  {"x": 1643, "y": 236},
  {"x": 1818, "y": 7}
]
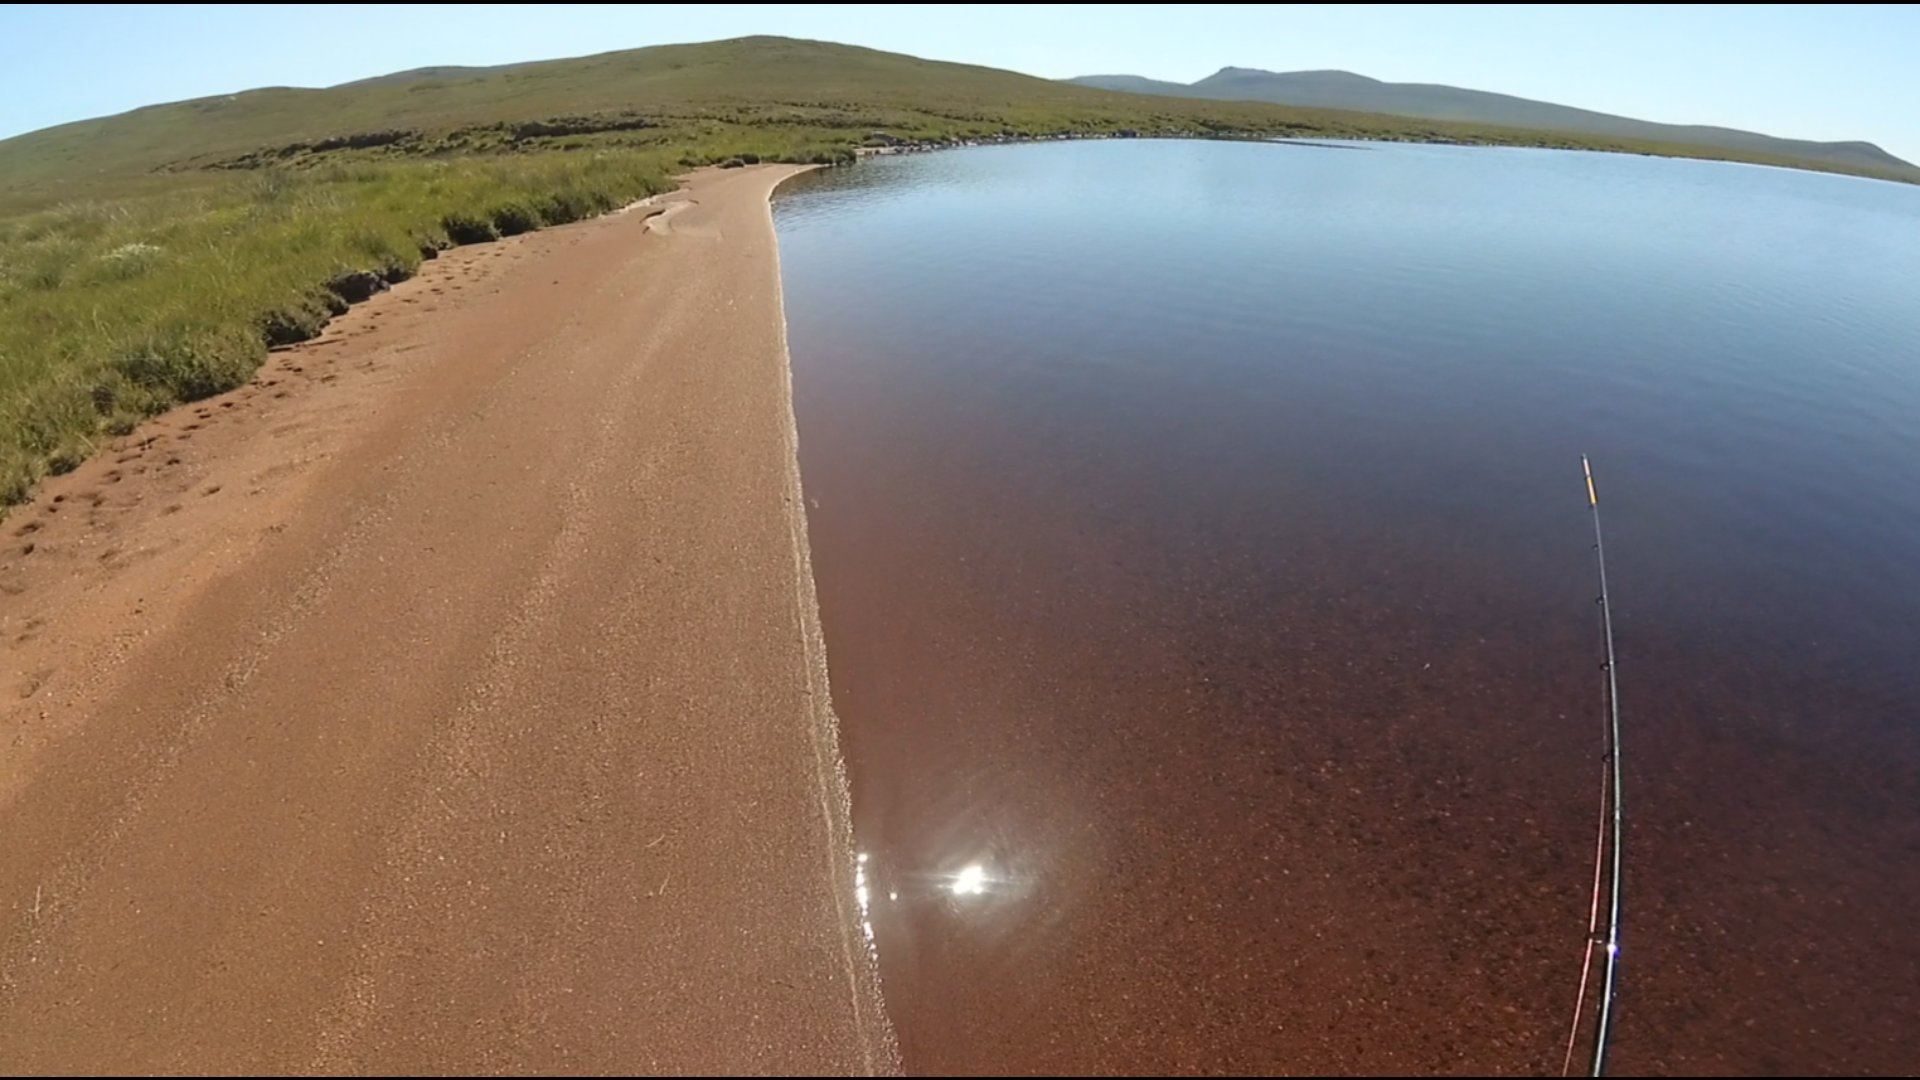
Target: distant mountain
[
  {"x": 771, "y": 95},
  {"x": 1134, "y": 84},
  {"x": 1345, "y": 90}
]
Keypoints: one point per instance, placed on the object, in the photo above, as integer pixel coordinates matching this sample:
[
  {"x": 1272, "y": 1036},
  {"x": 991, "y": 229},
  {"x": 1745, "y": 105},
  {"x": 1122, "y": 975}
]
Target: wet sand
[{"x": 449, "y": 699}]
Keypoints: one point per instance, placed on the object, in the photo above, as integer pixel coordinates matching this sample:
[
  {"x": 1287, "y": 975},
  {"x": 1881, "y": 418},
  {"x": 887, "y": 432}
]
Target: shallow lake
[{"x": 1208, "y": 591}]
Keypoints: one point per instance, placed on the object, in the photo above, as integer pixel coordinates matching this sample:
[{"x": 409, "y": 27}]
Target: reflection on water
[
  {"x": 1203, "y": 561},
  {"x": 970, "y": 881},
  {"x": 863, "y": 896}
]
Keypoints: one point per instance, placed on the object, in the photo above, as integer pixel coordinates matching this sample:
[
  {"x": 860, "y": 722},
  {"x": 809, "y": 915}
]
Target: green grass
[
  {"x": 111, "y": 311},
  {"x": 148, "y": 259}
]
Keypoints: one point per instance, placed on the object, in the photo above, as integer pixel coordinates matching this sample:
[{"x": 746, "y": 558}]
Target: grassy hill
[
  {"x": 838, "y": 93},
  {"x": 770, "y": 87},
  {"x": 1345, "y": 90},
  {"x": 152, "y": 257}
]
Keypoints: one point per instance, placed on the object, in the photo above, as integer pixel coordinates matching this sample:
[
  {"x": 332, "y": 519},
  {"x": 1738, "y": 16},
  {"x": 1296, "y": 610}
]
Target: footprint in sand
[{"x": 31, "y": 684}]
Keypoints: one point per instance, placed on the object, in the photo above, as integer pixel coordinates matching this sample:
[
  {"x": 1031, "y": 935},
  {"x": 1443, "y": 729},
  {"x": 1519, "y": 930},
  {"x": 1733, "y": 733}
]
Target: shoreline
[
  {"x": 836, "y": 797},
  {"x": 415, "y": 708},
  {"x": 906, "y": 147}
]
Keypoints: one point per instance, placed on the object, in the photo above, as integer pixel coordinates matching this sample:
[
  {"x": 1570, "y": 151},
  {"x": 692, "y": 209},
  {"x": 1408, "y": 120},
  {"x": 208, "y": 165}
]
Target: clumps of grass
[
  {"x": 574, "y": 204},
  {"x": 71, "y": 455},
  {"x": 514, "y": 218},
  {"x": 467, "y": 228},
  {"x": 113, "y": 312},
  {"x": 832, "y": 156},
  {"x": 357, "y": 285}
]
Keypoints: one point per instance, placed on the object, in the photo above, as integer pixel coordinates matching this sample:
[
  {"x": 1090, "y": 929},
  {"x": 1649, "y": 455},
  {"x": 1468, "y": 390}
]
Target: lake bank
[{"x": 442, "y": 699}]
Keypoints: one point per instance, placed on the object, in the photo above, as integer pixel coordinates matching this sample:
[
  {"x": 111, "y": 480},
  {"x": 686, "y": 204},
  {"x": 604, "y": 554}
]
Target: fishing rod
[{"x": 1610, "y": 815}]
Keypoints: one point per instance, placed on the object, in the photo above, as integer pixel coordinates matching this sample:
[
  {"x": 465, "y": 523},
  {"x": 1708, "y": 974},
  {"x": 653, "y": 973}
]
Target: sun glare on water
[{"x": 971, "y": 881}]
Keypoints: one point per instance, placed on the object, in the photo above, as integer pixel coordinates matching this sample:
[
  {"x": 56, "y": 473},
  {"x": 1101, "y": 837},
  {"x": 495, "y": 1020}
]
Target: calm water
[{"x": 1207, "y": 586}]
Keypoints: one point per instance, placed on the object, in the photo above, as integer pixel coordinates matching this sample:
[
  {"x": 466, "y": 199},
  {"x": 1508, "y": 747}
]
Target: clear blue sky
[{"x": 1837, "y": 72}]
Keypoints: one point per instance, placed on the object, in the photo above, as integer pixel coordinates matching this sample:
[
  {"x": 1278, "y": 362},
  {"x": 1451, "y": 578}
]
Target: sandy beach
[{"x": 450, "y": 698}]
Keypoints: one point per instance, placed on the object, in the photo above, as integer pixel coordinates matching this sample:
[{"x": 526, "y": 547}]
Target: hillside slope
[
  {"x": 758, "y": 80},
  {"x": 153, "y": 257},
  {"x": 839, "y": 91},
  {"x": 1345, "y": 90}
]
